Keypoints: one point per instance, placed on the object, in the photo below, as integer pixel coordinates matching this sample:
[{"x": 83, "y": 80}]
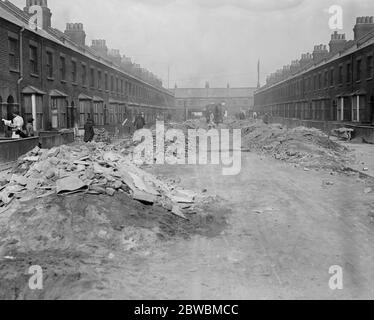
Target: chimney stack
[
  {"x": 100, "y": 47},
  {"x": 76, "y": 33},
  {"x": 115, "y": 56},
  {"x": 320, "y": 52},
  {"x": 295, "y": 66},
  {"x": 306, "y": 58},
  {"x": 337, "y": 42},
  {"x": 46, "y": 12},
  {"x": 363, "y": 26}
]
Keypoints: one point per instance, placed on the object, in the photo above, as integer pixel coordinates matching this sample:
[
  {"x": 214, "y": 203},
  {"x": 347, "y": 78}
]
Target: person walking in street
[
  {"x": 89, "y": 131},
  {"x": 139, "y": 122}
]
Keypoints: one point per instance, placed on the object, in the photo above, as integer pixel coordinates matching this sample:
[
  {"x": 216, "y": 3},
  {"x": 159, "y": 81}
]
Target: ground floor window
[
  {"x": 112, "y": 114},
  {"x": 347, "y": 109},
  {"x": 358, "y": 108},
  {"x": 59, "y": 107},
  {"x": 99, "y": 113},
  {"x": 84, "y": 111}
]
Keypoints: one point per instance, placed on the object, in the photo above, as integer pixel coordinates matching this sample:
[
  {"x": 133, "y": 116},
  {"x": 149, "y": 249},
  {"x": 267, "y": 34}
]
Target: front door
[{"x": 371, "y": 110}]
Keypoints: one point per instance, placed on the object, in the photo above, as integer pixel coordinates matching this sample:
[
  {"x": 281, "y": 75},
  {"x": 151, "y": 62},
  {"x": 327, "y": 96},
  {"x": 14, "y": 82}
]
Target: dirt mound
[
  {"x": 305, "y": 147},
  {"x": 90, "y": 202},
  {"x": 189, "y": 124},
  {"x": 70, "y": 236}
]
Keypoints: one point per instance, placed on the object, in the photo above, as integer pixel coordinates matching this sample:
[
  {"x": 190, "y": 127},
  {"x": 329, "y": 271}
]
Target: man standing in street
[
  {"x": 89, "y": 131},
  {"x": 139, "y": 122}
]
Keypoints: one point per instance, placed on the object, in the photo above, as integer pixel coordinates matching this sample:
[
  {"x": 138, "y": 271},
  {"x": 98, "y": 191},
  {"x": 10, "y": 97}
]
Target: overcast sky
[{"x": 219, "y": 41}]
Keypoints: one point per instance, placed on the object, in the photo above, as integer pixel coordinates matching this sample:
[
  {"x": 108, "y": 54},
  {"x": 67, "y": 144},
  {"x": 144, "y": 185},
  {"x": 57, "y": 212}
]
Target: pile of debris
[
  {"x": 188, "y": 125},
  {"x": 102, "y": 135},
  {"x": 94, "y": 168},
  {"x": 306, "y": 147}
]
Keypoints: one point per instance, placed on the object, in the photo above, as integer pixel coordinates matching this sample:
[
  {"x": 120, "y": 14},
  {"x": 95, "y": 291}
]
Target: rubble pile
[
  {"x": 94, "y": 168},
  {"x": 189, "y": 124},
  {"x": 102, "y": 135},
  {"x": 307, "y": 147}
]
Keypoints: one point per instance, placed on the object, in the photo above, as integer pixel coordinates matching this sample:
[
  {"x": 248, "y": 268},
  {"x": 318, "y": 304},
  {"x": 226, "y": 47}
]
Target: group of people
[
  {"x": 18, "y": 128},
  {"x": 89, "y": 132}
]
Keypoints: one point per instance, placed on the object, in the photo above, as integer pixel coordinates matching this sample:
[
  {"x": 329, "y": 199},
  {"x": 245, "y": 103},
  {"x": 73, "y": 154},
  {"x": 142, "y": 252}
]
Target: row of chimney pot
[
  {"x": 338, "y": 43},
  {"x": 75, "y": 32}
]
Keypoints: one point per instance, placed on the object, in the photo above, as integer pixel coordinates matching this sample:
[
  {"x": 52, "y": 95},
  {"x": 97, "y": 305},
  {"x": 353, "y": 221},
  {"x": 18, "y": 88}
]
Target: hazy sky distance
[{"x": 219, "y": 41}]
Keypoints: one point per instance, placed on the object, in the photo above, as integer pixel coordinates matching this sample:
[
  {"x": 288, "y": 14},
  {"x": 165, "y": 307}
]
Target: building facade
[
  {"x": 334, "y": 85},
  {"x": 194, "y": 100},
  {"x": 54, "y": 78}
]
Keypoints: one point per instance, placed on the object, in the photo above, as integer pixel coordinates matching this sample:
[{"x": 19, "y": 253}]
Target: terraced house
[
  {"x": 332, "y": 85},
  {"x": 55, "y": 78}
]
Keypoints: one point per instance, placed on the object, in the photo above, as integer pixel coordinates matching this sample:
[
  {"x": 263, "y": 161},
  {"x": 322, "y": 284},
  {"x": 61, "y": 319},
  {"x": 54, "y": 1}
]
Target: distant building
[
  {"x": 334, "y": 84},
  {"x": 194, "y": 100}
]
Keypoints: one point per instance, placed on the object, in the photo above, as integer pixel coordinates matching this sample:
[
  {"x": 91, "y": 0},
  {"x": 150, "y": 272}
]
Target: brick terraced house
[
  {"x": 53, "y": 77},
  {"x": 328, "y": 86}
]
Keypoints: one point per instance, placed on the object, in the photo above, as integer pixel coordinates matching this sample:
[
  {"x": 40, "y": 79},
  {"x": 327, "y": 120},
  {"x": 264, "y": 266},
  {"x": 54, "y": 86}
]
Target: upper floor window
[
  {"x": 332, "y": 77},
  {"x": 13, "y": 56},
  {"x": 340, "y": 77},
  {"x": 106, "y": 82},
  {"x": 326, "y": 79},
  {"x": 92, "y": 82},
  {"x": 349, "y": 72},
  {"x": 319, "y": 80},
  {"x": 315, "y": 82},
  {"x": 49, "y": 64},
  {"x": 74, "y": 71},
  {"x": 99, "y": 79},
  {"x": 62, "y": 68},
  {"x": 112, "y": 84},
  {"x": 34, "y": 59},
  {"x": 84, "y": 75},
  {"x": 369, "y": 69},
  {"x": 358, "y": 72}
]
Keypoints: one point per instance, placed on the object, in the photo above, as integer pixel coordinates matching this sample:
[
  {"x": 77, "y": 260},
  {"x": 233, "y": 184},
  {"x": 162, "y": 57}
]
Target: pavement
[{"x": 364, "y": 154}]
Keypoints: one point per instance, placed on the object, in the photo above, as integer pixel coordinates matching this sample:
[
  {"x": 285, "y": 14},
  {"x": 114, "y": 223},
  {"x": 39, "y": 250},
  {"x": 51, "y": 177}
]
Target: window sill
[
  {"x": 50, "y": 79},
  {"x": 75, "y": 84},
  {"x": 358, "y": 81},
  {"x": 64, "y": 81},
  {"x": 34, "y": 75},
  {"x": 369, "y": 79},
  {"x": 14, "y": 70}
]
